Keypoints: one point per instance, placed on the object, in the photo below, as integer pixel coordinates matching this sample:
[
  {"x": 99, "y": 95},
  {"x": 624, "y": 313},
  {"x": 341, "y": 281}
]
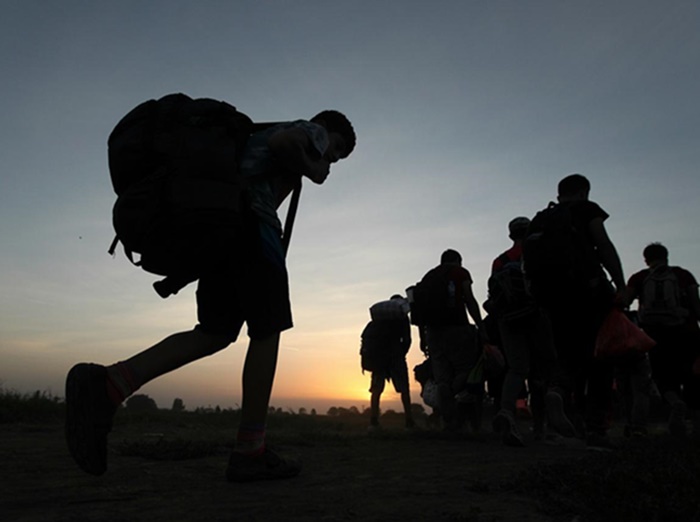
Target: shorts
[
  {"x": 397, "y": 373},
  {"x": 251, "y": 287}
]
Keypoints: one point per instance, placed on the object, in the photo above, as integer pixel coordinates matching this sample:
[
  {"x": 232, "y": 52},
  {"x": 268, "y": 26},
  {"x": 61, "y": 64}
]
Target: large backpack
[
  {"x": 377, "y": 342},
  {"x": 660, "y": 299},
  {"x": 391, "y": 309},
  {"x": 174, "y": 165},
  {"x": 557, "y": 257},
  {"x": 434, "y": 299},
  {"x": 509, "y": 298}
]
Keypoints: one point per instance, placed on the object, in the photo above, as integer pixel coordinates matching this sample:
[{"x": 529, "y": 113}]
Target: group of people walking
[
  {"x": 548, "y": 296},
  {"x": 198, "y": 189}
]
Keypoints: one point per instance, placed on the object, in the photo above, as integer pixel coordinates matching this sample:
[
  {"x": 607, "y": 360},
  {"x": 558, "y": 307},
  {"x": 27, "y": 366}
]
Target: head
[
  {"x": 451, "y": 257},
  {"x": 573, "y": 187},
  {"x": 405, "y": 307},
  {"x": 655, "y": 254},
  {"x": 340, "y": 133},
  {"x": 517, "y": 228}
]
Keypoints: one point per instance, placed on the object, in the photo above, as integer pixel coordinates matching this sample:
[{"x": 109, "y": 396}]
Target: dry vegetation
[{"x": 649, "y": 479}]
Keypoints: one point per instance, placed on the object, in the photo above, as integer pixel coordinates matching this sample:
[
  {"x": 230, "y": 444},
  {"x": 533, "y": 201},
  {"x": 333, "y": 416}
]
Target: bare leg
[
  {"x": 252, "y": 459},
  {"x": 94, "y": 391},
  {"x": 258, "y": 378},
  {"x": 374, "y": 407},
  {"x": 406, "y": 401},
  {"x": 173, "y": 352}
]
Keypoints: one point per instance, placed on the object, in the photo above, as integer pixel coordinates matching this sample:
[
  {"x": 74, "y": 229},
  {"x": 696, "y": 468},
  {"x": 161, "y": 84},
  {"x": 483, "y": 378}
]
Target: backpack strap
[
  {"x": 504, "y": 259},
  {"x": 113, "y": 246},
  {"x": 128, "y": 253},
  {"x": 291, "y": 215}
]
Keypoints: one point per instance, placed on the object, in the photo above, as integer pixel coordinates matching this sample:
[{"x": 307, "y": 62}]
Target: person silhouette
[{"x": 250, "y": 287}]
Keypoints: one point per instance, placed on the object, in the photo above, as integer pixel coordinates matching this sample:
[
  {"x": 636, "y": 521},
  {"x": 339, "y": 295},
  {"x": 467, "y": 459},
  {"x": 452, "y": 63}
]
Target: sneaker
[
  {"x": 269, "y": 465},
  {"x": 89, "y": 415},
  {"x": 634, "y": 432},
  {"x": 374, "y": 428},
  {"x": 555, "y": 413},
  {"x": 538, "y": 434},
  {"x": 465, "y": 397},
  {"x": 676, "y": 420},
  {"x": 504, "y": 424},
  {"x": 373, "y": 425}
]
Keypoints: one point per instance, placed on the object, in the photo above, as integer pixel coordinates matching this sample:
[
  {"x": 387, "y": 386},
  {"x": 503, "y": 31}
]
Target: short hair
[
  {"x": 655, "y": 252},
  {"x": 517, "y": 228},
  {"x": 450, "y": 256},
  {"x": 396, "y": 296},
  {"x": 573, "y": 184},
  {"x": 335, "y": 121}
]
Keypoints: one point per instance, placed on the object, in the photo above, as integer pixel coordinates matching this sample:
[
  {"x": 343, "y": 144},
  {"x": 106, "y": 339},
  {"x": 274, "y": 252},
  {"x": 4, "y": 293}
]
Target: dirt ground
[{"x": 395, "y": 475}]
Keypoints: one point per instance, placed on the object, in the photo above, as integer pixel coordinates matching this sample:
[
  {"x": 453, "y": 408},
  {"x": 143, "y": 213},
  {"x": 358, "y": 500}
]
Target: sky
[{"x": 467, "y": 113}]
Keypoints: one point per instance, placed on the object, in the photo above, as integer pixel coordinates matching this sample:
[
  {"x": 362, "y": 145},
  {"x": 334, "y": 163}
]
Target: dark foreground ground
[{"x": 170, "y": 468}]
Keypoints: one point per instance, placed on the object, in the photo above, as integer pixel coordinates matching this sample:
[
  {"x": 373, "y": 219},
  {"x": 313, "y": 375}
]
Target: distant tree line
[{"x": 142, "y": 403}]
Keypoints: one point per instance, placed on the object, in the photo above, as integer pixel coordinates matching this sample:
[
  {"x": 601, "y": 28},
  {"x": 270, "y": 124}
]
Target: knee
[{"x": 210, "y": 343}]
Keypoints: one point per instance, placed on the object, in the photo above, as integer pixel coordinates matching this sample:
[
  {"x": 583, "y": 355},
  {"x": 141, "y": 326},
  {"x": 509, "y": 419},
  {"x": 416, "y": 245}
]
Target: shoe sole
[
  {"x": 557, "y": 418},
  {"x": 512, "y": 440},
  {"x": 503, "y": 427},
  {"x": 500, "y": 424},
  {"x": 86, "y": 444},
  {"x": 280, "y": 471}
]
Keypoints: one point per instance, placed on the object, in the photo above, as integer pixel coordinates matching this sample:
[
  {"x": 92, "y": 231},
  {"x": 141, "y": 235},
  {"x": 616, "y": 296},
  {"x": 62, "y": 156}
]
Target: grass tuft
[
  {"x": 652, "y": 479},
  {"x": 40, "y": 406}
]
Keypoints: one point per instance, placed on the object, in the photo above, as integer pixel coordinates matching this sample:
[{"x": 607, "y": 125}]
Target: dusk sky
[{"x": 467, "y": 113}]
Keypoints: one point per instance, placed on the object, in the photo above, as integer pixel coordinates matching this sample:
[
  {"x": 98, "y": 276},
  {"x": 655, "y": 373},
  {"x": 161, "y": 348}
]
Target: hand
[
  {"x": 620, "y": 298},
  {"x": 318, "y": 170}
]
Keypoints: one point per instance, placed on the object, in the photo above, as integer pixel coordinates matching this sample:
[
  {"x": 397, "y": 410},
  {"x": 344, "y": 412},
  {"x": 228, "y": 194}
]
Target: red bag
[{"x": 620, "y": 336}]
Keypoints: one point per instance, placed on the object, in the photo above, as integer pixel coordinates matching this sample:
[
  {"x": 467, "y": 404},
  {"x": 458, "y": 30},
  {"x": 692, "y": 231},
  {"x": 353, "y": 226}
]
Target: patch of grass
[
  {"x": 40, "y": 406},
  {"x": 168, "y": 435},
  {"x": 654, "y": 480}
]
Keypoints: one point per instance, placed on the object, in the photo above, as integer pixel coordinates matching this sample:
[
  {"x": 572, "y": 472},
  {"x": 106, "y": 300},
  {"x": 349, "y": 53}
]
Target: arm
[
  {"x": 293, "y": 150},
  {"x": 630, "y": 293},
  {"x": 694, "y": 301},
  {"x": 405, "y": 335},
  {"x": 608, "y": 255},
  {"x": 473, "y": 308}
]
